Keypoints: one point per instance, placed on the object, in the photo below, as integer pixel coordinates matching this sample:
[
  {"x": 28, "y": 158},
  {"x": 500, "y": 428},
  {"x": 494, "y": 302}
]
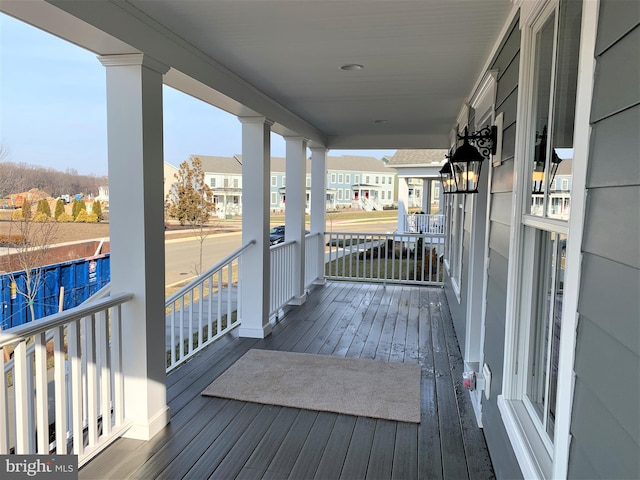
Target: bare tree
[
  {"x": 7, "y": 179},
  {"x": 4, "y": 152},
  {"x": 29, "y": 257},
  {"x": 190, "y": 201}
]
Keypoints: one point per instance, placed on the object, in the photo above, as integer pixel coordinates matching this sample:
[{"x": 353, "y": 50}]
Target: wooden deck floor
[{"x": 224, "y": 439}]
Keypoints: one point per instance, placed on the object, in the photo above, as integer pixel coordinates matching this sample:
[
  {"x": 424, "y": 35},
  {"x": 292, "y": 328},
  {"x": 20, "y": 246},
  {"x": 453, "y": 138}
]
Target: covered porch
[{"x": 215, "y": 438}]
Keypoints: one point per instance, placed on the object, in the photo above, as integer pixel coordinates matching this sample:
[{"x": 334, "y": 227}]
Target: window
[
  {"x": 382, "y": 195},
  {"x": 274, "y": 198},
  {"x": 347, "y": 194},
  {"x": 340, "y": 180},
  {"x": 389, "y": 194},
  {"x": 565, "y": 184},
  {"x": 436, "y": 190},
  {"x": 284, "y": 180},
  {"x": 357, "y": 179},
  {"x": 274, "y": 182},
  {"x": 333, "y": 178},
  {"x": 455, "y": 241},
  {"x": 212, "y": 182},
  {"x": 366, "y": 179},
  {"x": 543, "y": 350},
  {"x": 531, "y": 385},
  {"x": 339, "y": 194},
  {"x": 308, "y": 181},
  {"x": 347, "y": 178},
  {"x": 383, "y": 180},
  {"x": 236, "y": 183},
  {"x": 390, "y": 180},
  {"x": 377, "y": 180}
]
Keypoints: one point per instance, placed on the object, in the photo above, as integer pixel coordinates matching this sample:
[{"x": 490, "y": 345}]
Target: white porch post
[
  {"x": 426, "y": 195},
  {"x": 319, "y": 201},
  {"x": 403, "y": 201},
  {"x": 134, "y": 123},
  {"x": 296, "y": 172},
  {"x": 255, "y": 269}
]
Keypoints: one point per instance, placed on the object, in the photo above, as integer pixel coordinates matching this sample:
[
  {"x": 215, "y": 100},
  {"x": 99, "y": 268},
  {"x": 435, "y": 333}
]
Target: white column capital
[
  {"x": 318, "y": 148},
  {"x": 133, "y": 59},
  {"x": 295, "y": 138},
  {"x": 256, "y": 119}
]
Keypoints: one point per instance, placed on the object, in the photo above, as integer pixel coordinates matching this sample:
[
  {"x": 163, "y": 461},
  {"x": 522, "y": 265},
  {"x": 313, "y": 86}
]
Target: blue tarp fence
[{"x": 80, "y": 278}]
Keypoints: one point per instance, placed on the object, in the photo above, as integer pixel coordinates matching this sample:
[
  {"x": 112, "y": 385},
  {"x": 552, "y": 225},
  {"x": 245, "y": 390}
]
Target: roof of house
[
  {"x": 349, "y": 163},
  {"x": 418, "y": 157}
]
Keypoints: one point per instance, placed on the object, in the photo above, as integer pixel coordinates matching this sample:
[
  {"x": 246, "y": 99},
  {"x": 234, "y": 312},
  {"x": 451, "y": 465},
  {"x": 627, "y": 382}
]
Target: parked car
[{"x": 276, "y": 235}]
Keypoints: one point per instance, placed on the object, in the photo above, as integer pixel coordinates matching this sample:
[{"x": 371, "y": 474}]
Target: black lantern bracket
[{"x": 486, "y": 140}]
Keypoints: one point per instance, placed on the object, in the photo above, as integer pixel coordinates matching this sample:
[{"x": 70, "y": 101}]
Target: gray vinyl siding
[
  {"x": 507, "y": 64},
  {"x": 605, "y": 424}
]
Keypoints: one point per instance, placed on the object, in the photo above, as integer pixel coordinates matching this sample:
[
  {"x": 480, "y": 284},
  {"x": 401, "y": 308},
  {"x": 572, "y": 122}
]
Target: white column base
[
  {"x": 148, "y": 431},
  {"x": 298, "y": 300},
  {"x": 251, "y": 332},
  {"x": 320, "y": 281}
]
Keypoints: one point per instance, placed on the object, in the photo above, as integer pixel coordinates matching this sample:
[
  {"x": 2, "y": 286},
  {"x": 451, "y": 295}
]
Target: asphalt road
[{"x": 182, "y": 255}]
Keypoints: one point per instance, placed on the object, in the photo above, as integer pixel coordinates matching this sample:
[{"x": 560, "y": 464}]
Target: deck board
[{"x": 215, "y": 438}]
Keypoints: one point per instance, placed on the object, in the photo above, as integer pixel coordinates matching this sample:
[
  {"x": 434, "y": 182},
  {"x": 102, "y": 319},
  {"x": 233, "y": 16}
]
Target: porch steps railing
[
  {"x": 424, "y": 223},
  {"x": 75, "y": 365},
  {"x": 388, "y": 258}
]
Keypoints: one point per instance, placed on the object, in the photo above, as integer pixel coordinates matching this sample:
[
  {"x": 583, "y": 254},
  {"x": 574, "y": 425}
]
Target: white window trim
[{"x": 530, "y": 456}]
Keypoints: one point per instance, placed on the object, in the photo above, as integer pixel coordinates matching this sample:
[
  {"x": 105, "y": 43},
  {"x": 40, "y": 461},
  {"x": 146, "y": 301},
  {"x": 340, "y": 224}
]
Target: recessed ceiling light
[
  {"x": 351, "y": 66},
  {"x": 382, "y": 120}
]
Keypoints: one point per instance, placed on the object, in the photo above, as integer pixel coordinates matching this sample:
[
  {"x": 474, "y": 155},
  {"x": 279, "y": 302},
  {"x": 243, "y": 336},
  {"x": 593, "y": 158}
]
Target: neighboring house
[
  {"x": 352, "y": 181},
  {"x": 419, "y": 170},
  {"x": 418, "y": 180},
  {"x": 169, "y": 172},
  {"x": 103, "y": 194}
]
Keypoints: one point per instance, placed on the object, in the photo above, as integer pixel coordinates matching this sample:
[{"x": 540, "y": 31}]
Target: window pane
[
  {"x": 568, "y": 51},
  {"x": 548, "y": 284},
  {"x": 542, "y": 78}
]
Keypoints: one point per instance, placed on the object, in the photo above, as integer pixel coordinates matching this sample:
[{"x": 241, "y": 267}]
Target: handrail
[
  {"x": 281, "y": 245},
  {"x": 203, "y": 276},
  {"x": 58, "y": 319}
]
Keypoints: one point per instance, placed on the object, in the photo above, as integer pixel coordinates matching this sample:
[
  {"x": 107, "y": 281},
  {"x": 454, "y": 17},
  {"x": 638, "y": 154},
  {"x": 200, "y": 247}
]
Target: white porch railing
[
  {"x": 313, "y": 248},
  {"x": 204, "y": 310},
  {"x": 74, "y": 364},
  {"x": 424, "y": 223},
  {"x": 282, "y": 281},
  {"x": 388, "y": 258}
]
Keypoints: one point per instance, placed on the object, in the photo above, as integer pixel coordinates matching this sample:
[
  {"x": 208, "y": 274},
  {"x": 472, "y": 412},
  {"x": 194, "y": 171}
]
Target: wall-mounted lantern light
[
  {"x": 446, "y": 177},
  {"x": 539, "y": 163},
  {"x": 466, "y": 162}
]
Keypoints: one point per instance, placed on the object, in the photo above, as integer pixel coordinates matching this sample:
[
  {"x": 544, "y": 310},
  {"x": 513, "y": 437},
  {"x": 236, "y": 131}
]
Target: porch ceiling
[{"x": 281, "y": 58}]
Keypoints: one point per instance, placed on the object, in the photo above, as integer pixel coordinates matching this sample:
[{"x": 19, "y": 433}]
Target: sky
[{"x": 53, "y": 109}]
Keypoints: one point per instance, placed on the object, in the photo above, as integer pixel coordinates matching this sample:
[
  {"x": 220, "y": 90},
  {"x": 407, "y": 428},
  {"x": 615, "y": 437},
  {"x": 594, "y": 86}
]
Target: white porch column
[
  {"x": 426, "y": 195},
  {"x": 403, "y": 202},
  {"x": 255, "y": 270},
  {"x": 296, "y": 172},
  {"x": 134, "y": 124},
  {"x": 319, "y": 201}
]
